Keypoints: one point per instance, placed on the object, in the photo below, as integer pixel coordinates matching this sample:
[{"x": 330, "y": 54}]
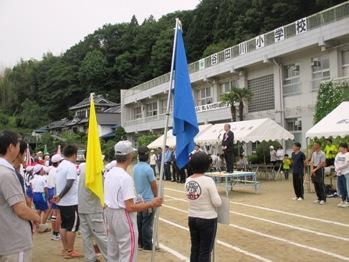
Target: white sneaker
[
  {"x": 340, "y": 204},
  {"x": 294, "y": 198},
  {"x": 344, "y": 204},
  {"x": 316, "y": 201},
  {"x": 300, "y": 199},
  {"x": 322, "y": 202}
]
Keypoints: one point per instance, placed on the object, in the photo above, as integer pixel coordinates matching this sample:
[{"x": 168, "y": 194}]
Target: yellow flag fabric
[{"x": 94, "y": 162}]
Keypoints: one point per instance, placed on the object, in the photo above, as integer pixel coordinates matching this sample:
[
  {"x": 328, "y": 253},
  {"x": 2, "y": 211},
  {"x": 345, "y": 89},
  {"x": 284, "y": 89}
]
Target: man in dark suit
[{"x": 228, "y": 148}]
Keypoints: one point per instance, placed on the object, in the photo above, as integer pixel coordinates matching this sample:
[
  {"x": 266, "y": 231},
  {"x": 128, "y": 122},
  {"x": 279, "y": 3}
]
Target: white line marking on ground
[
  {"x": 174, "y": 252},
  {"x": 274, "y": 222},
  {"x": 328, "y": 253},
  {"x": 278, "y": 211},
  {"x": 237, "y": 249},
  {"x": 291, "y": 242}
]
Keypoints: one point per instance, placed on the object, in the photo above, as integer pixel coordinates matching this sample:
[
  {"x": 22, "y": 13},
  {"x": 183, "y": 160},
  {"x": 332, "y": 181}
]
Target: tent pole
[{"x": 167, "y": 118}]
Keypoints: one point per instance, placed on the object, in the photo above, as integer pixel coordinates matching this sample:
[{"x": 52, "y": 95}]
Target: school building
[{"x": 283, "y": 69}]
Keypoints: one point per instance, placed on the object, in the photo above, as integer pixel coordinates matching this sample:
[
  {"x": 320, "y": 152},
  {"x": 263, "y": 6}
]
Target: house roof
[
  {"x": 58, "y": 124},
  {"x": 114, "y": 109},
  {"x": 99, "y": 101}
]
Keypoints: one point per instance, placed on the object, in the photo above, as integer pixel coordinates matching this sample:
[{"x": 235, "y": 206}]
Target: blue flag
[{"x": 185, "y": 124}]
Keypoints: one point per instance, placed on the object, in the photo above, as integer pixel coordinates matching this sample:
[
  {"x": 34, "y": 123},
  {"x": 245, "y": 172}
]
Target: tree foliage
[
  {"x": 330, "y": 95},
  {"x": 119, "y": 56}
]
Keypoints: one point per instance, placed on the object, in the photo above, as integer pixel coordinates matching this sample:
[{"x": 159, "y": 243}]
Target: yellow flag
[{"x": 94, "y": 162}]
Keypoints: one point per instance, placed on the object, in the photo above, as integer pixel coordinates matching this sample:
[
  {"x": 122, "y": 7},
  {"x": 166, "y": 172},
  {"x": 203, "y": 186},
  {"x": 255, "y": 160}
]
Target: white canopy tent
[
  {"x": 246, "y": 131},
  {"x": 335, "y": 124},
  {"x": 171, "y": 139}
]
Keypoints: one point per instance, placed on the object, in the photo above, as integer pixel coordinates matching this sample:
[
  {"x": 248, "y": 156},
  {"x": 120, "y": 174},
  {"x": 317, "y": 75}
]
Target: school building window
[
  {"x": 291, "y": 81},
  {"x": 204, "y": 96},
  {"x": 294, "y": 125},
  {"x": 227, "y": 86},
  {"x": 137, "y": 112},
  {"x": 151, "y": 109},
  {"x": 320, "y": 70}
]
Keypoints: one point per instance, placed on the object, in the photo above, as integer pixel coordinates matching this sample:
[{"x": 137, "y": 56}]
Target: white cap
[
  {"x": 271, "y": 147},
  {"x": 56, "y": 158},
  {"x": 37, "y": 168},
  {"x": 124, "y": 148}
]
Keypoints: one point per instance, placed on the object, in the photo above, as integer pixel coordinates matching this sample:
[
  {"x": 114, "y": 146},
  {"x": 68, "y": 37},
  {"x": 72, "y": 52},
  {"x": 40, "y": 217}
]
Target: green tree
[
  {"x": 120, "y": 134},
  {"x": 93, "y": 70},
  {"x": 231, "y": 98},
  {"x": 330, "y": 95},
  {"x": 146, "y": 139}
]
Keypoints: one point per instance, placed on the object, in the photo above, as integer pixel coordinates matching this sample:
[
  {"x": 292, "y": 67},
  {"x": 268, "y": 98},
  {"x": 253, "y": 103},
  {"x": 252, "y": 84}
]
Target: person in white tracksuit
[{"x": 122, "y": 205}]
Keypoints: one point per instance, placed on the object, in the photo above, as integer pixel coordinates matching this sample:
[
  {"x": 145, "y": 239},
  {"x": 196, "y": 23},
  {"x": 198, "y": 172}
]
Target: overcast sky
[{"x": 29, "y": 28}]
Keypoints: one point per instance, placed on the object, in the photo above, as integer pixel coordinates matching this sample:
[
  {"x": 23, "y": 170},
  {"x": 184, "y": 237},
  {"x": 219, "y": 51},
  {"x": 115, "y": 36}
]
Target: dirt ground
[{"x": 266, "y": 225}]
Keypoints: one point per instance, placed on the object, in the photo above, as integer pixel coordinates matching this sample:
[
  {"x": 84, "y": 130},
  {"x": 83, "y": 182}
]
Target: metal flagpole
[{"x": 167, "y": 118}]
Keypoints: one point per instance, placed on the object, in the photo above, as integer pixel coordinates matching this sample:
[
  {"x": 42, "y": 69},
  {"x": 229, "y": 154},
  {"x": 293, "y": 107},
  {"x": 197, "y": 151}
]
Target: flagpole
[{"x": 167, "y": 118}]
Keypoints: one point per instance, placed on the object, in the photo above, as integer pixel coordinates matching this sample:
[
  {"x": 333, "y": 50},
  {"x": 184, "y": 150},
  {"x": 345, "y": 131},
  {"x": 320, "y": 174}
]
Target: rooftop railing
[{"x": 303, "y": 25}]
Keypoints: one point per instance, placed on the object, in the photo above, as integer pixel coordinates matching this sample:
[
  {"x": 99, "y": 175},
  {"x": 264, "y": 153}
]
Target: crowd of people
[
  {"x": 53, "y": 188},
  {"x": 333, "y": 158}
]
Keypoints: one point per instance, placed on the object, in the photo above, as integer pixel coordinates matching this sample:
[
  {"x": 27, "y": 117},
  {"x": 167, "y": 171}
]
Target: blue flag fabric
[{"x": 185, "y": 124}]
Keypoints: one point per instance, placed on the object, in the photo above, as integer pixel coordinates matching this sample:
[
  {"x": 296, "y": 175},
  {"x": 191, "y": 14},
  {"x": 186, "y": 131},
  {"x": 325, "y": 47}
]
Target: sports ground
[{"x": 264, "y": 226}]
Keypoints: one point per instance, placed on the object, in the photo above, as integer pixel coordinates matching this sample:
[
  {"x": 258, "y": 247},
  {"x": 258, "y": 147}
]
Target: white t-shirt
[
  {"x": 51, "y": 181},
  {"x": 118, "y": 187},
  {"x": 341, "y": 163},
  {"x": 203, "y": 197},
  {"x": 67, "y": 170},
  {"x": 39, "y": 183},
  {"x": 153, "y": 159}
]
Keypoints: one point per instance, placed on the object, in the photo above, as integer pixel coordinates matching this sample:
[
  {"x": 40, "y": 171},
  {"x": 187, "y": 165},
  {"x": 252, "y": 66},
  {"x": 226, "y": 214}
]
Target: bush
[{"x": 262, "y": 155}]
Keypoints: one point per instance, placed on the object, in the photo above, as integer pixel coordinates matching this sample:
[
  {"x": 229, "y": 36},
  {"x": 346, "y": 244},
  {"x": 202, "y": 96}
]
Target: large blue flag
[{"x": 185, "y": 124}]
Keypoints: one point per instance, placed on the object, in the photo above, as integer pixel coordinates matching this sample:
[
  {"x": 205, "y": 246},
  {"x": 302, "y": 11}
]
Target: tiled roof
[{"x": 99, "y": 101}]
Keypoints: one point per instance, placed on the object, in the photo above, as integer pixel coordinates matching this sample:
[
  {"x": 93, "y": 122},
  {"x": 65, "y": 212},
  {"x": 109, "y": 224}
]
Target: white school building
[{"x": 283, "y": 69}]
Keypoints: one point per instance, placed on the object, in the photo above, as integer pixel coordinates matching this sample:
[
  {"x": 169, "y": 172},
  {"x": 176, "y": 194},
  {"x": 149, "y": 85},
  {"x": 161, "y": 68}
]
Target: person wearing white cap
[
  {"x": 51, "y": 184},
  {"x": 40, "y": 195},
  {"x": 121, "y": 206}
]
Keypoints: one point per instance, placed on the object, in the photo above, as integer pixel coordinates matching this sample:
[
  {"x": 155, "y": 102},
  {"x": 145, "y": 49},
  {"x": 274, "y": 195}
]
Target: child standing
[
  {"x": 341, "y": 164},
  {"x": 286, "y": 165}
]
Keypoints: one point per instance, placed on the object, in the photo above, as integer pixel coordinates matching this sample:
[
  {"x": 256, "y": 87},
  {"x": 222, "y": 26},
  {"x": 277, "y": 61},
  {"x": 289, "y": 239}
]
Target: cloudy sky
[{"x": 29, "y": 28}]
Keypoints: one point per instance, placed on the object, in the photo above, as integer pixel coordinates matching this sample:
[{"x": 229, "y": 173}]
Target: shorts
[
  {"x": 70, "y": 218},
  {"x": 40, "y": 202},
  {"x": 29, "y": 192},
  {"x": 51, "y": 194}
]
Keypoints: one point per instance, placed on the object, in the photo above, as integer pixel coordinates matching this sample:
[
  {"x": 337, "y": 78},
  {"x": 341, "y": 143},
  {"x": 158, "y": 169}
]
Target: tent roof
[
  {"x": 246, "y": 131},
  {"x": 334, "y": 124},
  {"x": 171, "y": 139}
]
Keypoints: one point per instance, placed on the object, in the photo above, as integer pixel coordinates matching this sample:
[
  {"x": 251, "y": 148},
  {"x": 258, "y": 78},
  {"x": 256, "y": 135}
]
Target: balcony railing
[
  {"x": 198, "y": 109},
  {"x": 317, "y": 20}
]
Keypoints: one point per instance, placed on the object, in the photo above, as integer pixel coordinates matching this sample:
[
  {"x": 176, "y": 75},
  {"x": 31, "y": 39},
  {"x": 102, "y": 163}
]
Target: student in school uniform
[
  {"x": 40, "y": 196},
  {"x": 122, "y": 206}
]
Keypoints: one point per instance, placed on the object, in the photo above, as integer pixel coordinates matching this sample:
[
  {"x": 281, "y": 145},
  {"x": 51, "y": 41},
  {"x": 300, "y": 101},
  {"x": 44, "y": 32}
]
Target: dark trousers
[
  {"x": 154, "y": 169},
  {"x": 167, "y": 171},
  {"x": 342, "y": 187},
  {"x": 298, "y": 184},
  {"x": 318, "y": 180},
  {"x": 286, "y": 172},
  {"x": 202, "y": 235},
  {"x": 229, "y": 160},
  {"x": 145, "y": 229},
  {"x": 181, "y": 174}
]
